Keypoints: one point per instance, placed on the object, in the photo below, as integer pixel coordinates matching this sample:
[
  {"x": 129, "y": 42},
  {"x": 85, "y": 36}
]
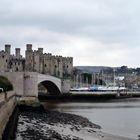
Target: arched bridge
[
  {"x": 26, "y": 83},
  {"x": 51, "y": 83}
]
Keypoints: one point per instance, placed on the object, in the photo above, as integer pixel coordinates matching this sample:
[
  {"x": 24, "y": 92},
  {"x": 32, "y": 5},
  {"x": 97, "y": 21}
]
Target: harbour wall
[{"x": 8, "y": 103}]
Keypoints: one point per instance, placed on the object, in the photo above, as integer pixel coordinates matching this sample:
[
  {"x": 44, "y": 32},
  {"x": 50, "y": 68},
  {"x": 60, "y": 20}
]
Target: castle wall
[
  {"x": 29, "y": 60},
  {"x": 59, "y": 66},
  {"x": 17, "y": 51},
  {"x": 3, "y": 61},
  {"x": 8, "y": 49},
  {"x": 67, "y": 66},
  {"x": 35, "y": 61},
  {"x": 41, "y": 64},
  {"x": 16, "y": 65},
  {"x": 47, "y": 63}
]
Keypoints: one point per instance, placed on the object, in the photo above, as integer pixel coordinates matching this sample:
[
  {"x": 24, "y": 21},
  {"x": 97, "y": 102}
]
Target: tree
[{"x": 5, "y": 84}]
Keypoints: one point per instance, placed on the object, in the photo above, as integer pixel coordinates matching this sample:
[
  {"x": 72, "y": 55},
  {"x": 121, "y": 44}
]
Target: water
[{"x": 117, "y": 117}]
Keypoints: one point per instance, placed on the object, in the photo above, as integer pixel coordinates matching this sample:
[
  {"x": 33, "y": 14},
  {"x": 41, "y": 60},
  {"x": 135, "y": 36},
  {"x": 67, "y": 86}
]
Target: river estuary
[{"x": 115, "y": 117}]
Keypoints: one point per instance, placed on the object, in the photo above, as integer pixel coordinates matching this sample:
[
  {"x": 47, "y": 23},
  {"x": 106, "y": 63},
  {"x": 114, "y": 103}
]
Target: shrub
[{"x": 5, "y": 84}]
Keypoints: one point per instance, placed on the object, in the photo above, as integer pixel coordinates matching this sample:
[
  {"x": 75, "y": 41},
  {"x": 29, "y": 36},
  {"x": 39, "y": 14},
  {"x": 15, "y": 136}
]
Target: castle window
[
  {"x": 55, "y": 66},
  {"x": 67, "y": 66},
  {"x": 6, "y": 60},
  {"x": 3, "y": 56},
  {"x": 15, "y": 63},
  {"x": 16, "y": 68},
  {"x": 18, "y": 63},
  {"x": 45, "y": 65}
]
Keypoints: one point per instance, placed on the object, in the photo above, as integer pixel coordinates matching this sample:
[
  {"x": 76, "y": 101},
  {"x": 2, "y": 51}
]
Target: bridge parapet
[{"x": 26, "y": 83}]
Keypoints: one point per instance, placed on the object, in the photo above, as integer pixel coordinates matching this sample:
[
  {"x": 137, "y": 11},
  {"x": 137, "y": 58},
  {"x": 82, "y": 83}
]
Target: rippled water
[{"x": 116, "y": 117}]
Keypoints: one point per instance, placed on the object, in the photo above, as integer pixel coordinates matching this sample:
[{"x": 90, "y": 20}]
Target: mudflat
[{"x": 54, "y": 125}]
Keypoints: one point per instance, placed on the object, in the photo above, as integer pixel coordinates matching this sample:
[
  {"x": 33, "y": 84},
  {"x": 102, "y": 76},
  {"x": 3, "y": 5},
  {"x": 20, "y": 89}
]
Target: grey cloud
[
  {"x": 111, "y": 25},
  {"x": 56, "y": 24}
]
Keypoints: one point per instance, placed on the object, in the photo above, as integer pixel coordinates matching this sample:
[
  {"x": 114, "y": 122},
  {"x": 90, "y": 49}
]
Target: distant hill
[
  {"x": 91, "y": 69},
  {"x": 118, "y": 70}
]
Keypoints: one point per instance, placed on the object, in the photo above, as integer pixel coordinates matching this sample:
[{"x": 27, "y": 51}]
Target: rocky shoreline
[{"x": 53, "y": 125}]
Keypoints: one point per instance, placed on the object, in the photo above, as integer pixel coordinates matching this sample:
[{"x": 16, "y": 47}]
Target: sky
[{"x": 93, "y": 32}]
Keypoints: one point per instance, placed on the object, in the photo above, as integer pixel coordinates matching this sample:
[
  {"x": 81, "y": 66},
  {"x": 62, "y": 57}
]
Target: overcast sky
[{"x": 93, "y": 32}]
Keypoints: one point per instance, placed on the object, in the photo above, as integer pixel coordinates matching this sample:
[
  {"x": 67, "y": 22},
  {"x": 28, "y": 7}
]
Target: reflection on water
[{"x": 116, "y": 117}]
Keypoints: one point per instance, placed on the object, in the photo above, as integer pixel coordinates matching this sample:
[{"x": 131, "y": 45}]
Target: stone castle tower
[{"x": 35, "y": 61}]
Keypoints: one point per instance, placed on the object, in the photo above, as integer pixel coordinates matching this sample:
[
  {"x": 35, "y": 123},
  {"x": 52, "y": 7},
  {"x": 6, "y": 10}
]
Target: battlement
[
  {"x": 35, "y": 60},
  {"x": 8, "y": 49},
  {"x": 40, "y": 50},
  {"x": 47, "y": 55},
  {"x": 17, "y": 51},
  {"x": 29, "y": 47}
]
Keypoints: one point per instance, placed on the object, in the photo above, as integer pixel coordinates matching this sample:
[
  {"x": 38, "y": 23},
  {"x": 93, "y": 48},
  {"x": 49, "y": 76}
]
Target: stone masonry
[{"x": 35, "y": 61}]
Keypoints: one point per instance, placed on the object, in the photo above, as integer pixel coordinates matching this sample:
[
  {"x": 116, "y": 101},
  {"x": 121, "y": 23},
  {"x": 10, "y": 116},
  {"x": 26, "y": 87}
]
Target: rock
[{"x": 36, "y": 124}]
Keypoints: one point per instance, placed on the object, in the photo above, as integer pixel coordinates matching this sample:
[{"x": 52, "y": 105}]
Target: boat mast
[{"x": 113, "y": 77}]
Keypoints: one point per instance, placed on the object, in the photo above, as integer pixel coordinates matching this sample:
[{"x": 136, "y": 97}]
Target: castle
[{"x": 35, "y": 61}]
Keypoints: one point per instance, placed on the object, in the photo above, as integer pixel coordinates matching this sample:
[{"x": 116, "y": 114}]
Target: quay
[
  {"x": 115, "y": 93},
  {"x": 8, "y": 103}
]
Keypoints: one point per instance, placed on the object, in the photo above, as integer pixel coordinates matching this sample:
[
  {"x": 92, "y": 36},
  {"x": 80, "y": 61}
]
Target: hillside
[{"x": 91, "y": 69}]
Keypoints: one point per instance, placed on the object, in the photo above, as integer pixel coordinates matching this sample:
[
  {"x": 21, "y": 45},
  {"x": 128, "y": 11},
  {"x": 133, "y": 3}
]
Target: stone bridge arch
[
  {"x": 26, "y": 83},
  {"x": 51, "y": 83}
]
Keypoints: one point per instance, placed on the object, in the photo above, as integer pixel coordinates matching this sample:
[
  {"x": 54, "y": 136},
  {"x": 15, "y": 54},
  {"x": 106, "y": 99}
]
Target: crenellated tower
[
  {"x": 29, "y": 58},
  {"x": 35, "y": 61}
]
